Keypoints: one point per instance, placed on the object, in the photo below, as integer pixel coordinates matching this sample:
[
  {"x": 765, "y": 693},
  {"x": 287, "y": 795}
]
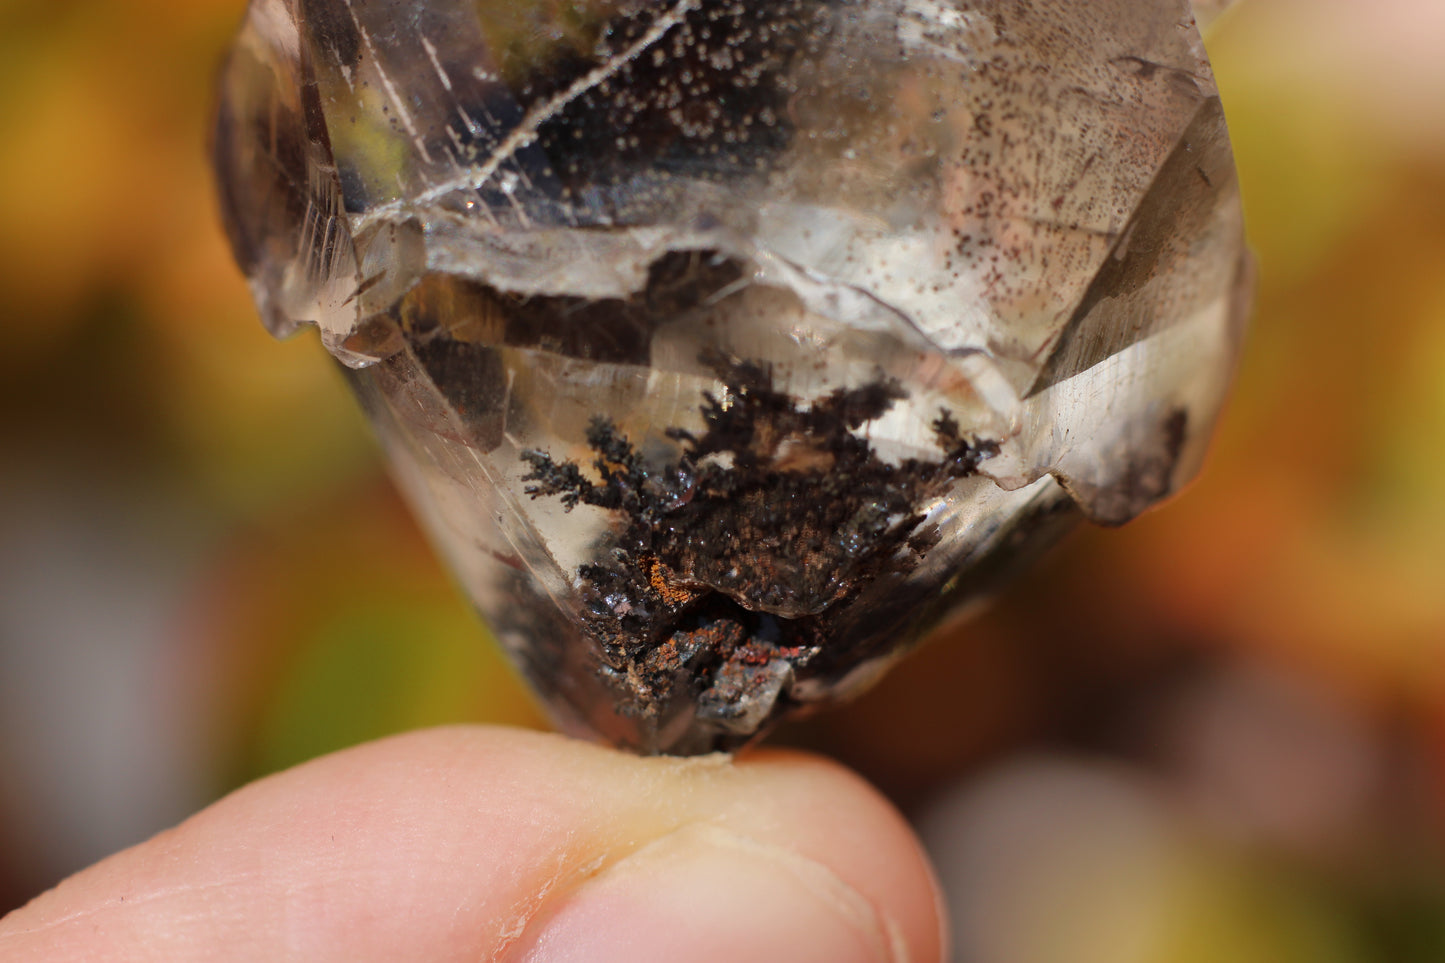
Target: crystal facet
[{"x": 724, "y": 346}]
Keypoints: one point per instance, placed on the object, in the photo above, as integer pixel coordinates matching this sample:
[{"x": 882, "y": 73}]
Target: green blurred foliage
[{"x": 373, "y": 670}]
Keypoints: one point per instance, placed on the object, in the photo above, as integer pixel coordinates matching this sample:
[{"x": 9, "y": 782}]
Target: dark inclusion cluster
[{"x": 730, "y": 564}]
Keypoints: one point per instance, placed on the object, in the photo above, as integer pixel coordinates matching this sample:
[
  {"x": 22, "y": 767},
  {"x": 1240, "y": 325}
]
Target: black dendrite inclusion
[{"x": 742, "y": 551}]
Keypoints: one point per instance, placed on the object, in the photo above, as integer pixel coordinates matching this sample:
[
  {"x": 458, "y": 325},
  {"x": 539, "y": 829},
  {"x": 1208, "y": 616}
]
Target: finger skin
[{"x": 452, "y": 844}]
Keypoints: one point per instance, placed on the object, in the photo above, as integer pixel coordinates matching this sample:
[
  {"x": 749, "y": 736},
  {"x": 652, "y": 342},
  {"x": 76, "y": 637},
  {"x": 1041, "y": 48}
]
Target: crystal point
[{"x": 724, "y": 347}]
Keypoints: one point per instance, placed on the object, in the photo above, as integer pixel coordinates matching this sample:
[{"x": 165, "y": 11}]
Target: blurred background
[{"x": 1216, "y": 734}]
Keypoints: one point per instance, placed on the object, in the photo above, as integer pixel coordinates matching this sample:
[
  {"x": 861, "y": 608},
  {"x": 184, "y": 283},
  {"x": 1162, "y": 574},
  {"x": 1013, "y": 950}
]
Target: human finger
[{"x": 497, "y": 844}]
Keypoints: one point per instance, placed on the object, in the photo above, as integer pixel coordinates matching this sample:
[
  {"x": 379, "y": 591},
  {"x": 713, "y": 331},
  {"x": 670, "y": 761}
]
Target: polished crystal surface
[{"x": 726, "y": 346}]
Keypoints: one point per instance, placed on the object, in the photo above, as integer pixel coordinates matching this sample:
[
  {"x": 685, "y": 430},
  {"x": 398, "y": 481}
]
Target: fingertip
[
  {"x": 467, "y": 842},
  {"x": 840, "y": 819}
]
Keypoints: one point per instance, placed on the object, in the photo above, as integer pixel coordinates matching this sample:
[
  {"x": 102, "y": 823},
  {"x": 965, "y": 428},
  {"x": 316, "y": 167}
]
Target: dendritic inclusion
[{"x": 726, "y": 346}]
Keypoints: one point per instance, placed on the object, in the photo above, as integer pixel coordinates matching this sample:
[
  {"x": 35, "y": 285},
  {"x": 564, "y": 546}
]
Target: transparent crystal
[{"x": 726, "y": 346}]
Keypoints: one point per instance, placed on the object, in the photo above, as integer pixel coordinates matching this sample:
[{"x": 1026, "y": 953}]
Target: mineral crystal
[{"x": 725, "y": 346}]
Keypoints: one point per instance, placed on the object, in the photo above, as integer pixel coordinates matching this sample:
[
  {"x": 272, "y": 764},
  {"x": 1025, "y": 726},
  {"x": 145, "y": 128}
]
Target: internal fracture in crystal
[{"x": 724, "y": 347}]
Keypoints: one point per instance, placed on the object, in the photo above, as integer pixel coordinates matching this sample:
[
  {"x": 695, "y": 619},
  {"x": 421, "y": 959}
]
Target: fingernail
[{"x": 703, "y": 895}]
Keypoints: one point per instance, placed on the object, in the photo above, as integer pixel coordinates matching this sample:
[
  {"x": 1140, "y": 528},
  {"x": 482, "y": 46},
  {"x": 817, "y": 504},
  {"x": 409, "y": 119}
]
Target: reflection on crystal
[{"x": 724, "y": 346}]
